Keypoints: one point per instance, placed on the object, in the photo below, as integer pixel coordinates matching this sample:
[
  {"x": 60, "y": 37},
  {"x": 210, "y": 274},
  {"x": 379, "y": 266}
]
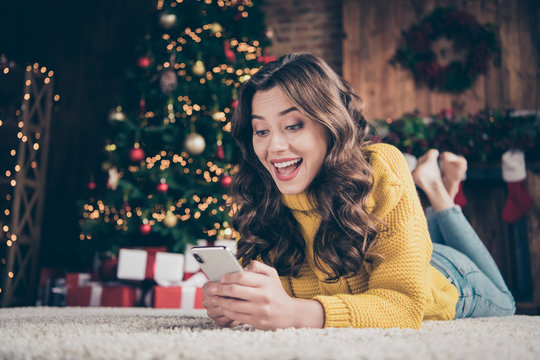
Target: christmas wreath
[{"x": 448, "y": 49}]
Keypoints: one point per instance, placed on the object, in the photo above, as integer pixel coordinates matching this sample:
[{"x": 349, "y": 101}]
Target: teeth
[{"x": 286, "y": 163}]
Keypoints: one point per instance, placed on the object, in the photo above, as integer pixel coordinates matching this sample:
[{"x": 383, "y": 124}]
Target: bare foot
[
  {"x": 453, "y": 168},
  {"x": 427, "y": 176},
  {"x": 427, "y": 172}
]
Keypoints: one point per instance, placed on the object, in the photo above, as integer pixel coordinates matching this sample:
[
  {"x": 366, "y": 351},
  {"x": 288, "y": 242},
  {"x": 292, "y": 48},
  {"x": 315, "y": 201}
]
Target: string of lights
[{"x": 20, "y": 160}]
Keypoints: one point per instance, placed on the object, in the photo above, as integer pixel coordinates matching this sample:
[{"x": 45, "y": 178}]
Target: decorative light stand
[{"x": 19, "y": 280}]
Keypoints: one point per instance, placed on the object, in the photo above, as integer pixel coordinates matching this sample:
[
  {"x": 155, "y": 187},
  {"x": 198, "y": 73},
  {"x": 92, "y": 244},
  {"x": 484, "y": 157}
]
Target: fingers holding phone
[
  {"x": 213, "y": 310},
  {"x": 215, "y": 262}
]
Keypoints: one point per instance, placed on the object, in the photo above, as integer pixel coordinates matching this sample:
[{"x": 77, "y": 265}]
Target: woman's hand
[
  {"x": 256, "y": 297},
  {"x": 214, "y": 311}
]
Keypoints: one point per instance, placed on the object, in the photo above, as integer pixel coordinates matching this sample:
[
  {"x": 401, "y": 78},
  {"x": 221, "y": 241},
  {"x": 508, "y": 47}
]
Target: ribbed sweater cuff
[
  {"x": 336, "y": 313},
  {"x": 449, "y": 313}
]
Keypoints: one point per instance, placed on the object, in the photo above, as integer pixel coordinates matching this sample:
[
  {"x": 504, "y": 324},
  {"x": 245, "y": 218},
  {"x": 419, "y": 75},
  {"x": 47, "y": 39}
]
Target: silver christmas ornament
[
  {"x": 117, "y": 114},
  {"x": 167, "y": 21},
  {"x": 194, "y": 144}
]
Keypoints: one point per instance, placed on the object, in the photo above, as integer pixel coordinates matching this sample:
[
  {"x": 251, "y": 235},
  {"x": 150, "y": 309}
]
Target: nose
[{"x": 278, "y": 142}]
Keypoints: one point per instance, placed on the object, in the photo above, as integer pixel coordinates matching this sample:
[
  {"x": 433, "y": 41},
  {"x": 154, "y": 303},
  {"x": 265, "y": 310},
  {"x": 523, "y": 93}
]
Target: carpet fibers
[{"x": 140, "y": 333}]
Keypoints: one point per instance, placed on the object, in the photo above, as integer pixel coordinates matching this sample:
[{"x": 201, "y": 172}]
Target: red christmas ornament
[
  {"x": 234, "y": 104},
  {"x": 229, "y": 54},
  {"x": 92, "y": 185},
  {"x": 163, "y": 186},
  {"x": 226, "y": 181},
  {"x": 136, "y": 154},
  {"x": 145, "y": 229},
  {"x": 220, "y": 153},
  {"x": 144, "y": 62},
  {"x": 142, "y": 105}
]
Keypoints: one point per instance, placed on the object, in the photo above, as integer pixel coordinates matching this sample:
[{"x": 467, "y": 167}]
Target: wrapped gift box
[
  {"x": 169, "y": 268},
  {"x": 96, "y": 294},
  {"x": 178, "y": 297},
  {"x": 150, "y": 263},
  {"x": 80, "y": 279},
  {"x": 186, "y": 296},
  {"x": 52, "y": 287}
]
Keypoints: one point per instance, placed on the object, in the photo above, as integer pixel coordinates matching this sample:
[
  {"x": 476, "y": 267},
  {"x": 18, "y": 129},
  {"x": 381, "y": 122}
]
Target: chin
[{"x": 291, "y": 190}]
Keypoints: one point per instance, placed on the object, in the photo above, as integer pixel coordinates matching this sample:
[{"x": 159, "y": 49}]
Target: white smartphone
[{"x": 216, "y": 261}]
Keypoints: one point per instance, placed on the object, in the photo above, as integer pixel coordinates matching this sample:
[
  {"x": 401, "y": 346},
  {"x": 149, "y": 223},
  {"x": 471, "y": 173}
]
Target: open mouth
[{"x": 287, "y": 167}]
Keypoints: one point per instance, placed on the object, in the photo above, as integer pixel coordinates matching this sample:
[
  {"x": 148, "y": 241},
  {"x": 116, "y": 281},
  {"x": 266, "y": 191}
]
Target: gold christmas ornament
[
  {"x": 170, "y": 219},
  {"x": 194, "y": 144},
  {"x": 216, "y": 27},
  {"x": 199, "y": 69},
  {"x": 218, "y": 116}
]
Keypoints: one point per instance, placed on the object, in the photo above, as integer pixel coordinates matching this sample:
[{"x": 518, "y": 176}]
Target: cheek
[
  {"x": 322, "y": 145},
  {"x": 318, "y": 150},
  {"x": 321, "y": 155},
  {"x": 259, "y": 149}
]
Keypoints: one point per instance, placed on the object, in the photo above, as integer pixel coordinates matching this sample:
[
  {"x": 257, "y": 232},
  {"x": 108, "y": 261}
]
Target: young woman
[{"x": 332, "y": 230}]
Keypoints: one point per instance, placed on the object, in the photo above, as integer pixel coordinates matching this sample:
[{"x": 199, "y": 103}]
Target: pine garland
[{"x": 482, "y": 137}]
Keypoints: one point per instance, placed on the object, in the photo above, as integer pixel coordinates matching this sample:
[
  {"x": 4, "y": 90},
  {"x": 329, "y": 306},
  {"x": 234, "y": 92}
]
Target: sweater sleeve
[{"x": 396, "y": 290}]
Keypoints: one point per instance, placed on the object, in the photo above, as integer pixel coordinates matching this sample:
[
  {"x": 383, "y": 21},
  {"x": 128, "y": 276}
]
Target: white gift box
[
  {"x": 169, "y": 268},
  {"x": 131, "y": 264},
  {"x": 165, "y": 268}
]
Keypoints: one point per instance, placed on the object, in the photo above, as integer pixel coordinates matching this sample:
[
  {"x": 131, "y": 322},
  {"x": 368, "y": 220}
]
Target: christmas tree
[{"x": 170, "y": 156}]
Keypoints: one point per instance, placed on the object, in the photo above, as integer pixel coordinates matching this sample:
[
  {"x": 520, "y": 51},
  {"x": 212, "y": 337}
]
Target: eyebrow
[{"x": 282, "y": 113}]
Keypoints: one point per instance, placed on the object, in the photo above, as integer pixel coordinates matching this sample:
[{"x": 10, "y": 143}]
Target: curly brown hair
[{"x": 266, "y": 226}]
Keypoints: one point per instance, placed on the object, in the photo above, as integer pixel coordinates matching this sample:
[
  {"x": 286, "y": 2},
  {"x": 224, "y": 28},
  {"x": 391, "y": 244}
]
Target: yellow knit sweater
[{"x": 398, "y": 287}]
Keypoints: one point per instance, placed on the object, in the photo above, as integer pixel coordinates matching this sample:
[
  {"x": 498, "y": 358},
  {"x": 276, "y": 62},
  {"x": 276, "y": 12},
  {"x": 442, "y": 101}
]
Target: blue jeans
[{"x": 461, "y": 256}]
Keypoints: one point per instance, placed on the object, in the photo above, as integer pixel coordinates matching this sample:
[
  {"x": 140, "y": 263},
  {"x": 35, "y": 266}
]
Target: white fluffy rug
[{"x": 141, "y": 333}]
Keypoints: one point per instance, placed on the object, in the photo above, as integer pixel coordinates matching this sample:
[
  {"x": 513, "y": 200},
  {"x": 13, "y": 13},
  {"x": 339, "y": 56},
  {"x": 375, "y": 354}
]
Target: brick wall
[{"x": 313, "y": 26}]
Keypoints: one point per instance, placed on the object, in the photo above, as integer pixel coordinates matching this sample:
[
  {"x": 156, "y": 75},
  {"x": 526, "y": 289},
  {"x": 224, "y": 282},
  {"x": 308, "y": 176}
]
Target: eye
[
  {"x": 295, "y": 127},
  {"x": 260, "y": 132}
]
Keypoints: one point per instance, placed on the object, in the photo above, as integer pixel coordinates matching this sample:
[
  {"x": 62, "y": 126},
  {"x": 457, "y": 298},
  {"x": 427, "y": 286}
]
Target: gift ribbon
[
  {"x": 196, "y": 280},
  {"x": 83, "y": 279},
  {"x": 188, "y": 297},
  {"x": 95, "y": 295}
]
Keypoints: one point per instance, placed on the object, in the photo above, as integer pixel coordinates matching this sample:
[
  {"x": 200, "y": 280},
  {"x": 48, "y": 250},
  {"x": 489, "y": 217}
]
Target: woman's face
[{"x": 289, "y": 145}]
